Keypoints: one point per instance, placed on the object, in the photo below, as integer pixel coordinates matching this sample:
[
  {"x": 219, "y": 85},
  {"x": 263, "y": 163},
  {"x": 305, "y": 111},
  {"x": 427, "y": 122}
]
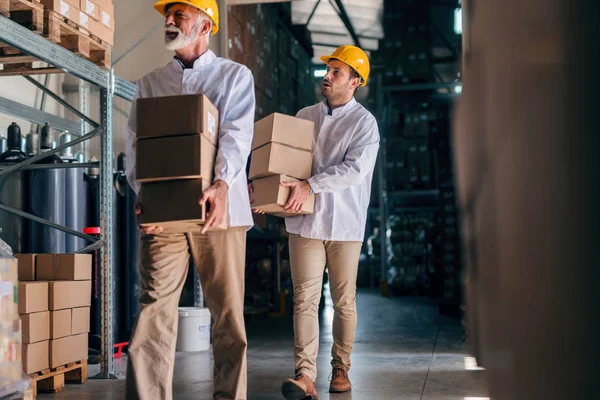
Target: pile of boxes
[
  {"x": 96, "y": 17},
  {"x": 281, "y": 152},
  {"x": 54, "y": 296},
  {"x": 175, "y": 159}
]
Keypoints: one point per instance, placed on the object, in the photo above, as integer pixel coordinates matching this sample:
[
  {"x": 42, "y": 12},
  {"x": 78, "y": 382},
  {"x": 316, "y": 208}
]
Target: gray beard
[{"x": 182, "y": 41}]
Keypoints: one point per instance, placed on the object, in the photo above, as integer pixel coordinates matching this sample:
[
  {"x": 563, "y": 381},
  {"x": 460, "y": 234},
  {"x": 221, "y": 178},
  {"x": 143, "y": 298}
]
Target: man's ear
[
  {"x": 355, "y": 83},
  {"x": 206, "y": 28}
]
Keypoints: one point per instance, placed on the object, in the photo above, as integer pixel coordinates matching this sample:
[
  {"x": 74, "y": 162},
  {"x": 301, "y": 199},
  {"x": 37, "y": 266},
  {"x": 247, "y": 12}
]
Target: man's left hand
[
  {"x": 298, "y": 197},
  {"x": 216, "y": 196}
]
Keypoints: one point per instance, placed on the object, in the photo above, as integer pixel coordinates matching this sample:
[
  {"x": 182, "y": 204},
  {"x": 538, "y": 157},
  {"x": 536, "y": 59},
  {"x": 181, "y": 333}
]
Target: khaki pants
[
  {"x": 164, "y": 262},
  {"x": 308, "y": 258}
]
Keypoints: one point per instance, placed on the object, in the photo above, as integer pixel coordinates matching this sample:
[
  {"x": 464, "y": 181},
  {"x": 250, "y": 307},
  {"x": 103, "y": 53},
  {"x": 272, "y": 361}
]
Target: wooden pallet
[
  {"x": 29, "y": 13},
  {"x": 53, "y": 380}
]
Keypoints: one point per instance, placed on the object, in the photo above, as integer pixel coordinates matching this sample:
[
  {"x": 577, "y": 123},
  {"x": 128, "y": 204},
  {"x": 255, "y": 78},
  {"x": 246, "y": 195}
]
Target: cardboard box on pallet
[
  {"x": 61, "y": 323},
  {"x": 26, "y": 266},
  {"x": 70, "y": 267},
  {"x": 102, "y": 32},
  {"x": 270, "y": 197},
  {"x": 68, "y": 349},
  {"x": 279, "y": 159},
  {"x": 174, "y": 205},
  {"x": 195, "y": 114},
  {"x": 69, "y": 294},
  {"x": 107, "y": 15},
  {"x": 35, "y": 357},
  {"x": 91, "y": 8},
  {"x": 66, "y": 8},
  {"x": 33, "y": 297},
  {"x": 36, "y": 327},
  {"x": 195, "y": 158},
  {"x": 80, "y": 320}
]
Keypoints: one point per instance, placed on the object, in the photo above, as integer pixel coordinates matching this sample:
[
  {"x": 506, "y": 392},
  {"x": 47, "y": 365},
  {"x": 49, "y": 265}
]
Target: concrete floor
[{"x": 404, "y": 350}]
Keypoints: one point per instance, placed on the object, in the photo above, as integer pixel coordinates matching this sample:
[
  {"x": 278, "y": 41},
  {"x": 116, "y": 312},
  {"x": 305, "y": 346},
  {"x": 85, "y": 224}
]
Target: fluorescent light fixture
[
  {"x": 471, "y": 365},
  {"x": 458, "y": 89},
  {"x": 458, "y": 24},
  {"x": 477, "y": 398},
  {"x": 320, "y": 73}
]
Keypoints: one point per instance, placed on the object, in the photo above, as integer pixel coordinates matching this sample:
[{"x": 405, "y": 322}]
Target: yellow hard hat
[
  {"x": 209, "y": 7},
  {"x": 355, "y": 57}
]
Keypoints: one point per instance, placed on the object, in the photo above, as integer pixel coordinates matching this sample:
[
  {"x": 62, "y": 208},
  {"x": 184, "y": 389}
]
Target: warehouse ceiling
[{"x": 332, "y": 26}]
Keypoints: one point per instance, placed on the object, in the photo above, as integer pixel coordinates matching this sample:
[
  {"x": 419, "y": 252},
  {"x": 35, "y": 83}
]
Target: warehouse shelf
[{"x": 59, "y": 58}]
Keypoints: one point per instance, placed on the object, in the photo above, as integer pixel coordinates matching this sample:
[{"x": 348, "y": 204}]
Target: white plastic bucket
[{"x": 194, "y": 329}]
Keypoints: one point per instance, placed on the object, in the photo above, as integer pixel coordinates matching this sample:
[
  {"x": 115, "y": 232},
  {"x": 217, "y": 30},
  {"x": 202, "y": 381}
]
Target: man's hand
[
  {"x": 216, "y": 195},
  {"x": 148, "y": 230},
  {"x": 298, "y": 197}
]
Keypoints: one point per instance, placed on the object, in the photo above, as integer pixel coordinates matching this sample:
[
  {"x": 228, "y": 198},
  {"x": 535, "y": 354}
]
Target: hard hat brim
[
  {"x": 327, "y": 60},
  {"x": 161, "y": 5}
]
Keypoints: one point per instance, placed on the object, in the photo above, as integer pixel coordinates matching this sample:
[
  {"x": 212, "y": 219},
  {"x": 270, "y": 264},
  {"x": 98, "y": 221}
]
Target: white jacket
[
  {"x": 346, "y": 144},
  {"x": 230, "y": 87}
]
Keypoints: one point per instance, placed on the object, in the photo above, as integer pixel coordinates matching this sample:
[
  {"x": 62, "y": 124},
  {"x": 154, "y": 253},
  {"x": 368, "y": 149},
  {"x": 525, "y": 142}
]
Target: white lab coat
[
  {"x": 346, "y": 144},
  {"x": 230, "y": 87}
]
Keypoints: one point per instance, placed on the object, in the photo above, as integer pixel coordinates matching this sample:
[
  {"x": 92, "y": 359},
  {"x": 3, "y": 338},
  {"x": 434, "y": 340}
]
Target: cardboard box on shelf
[
  {"x": 9, "y": 281},
  {"x": 270, "y": 196},
  {"x": 61, "y": 323},
  {"x": 155, "y": 160},
  {"x": 67, "y": 8},
  {"x": 80, "y": 321},
  {"x": 90, "y": 8},
  {"x": 107, "y": 15},
  {"x": 36, "y": 327},
  {"x": 68, "y": 349},
  {"x": 35, "y": 357},
  {"x": 70, "y": 267},
  {"x": 99, "y": 30},
  {"x": 279, "y": 159},
  {"x": 174, "y": 205},
  {"x": 69, "y": 294},
  {"x": 26, "y": 266},
  {"x": 177, "y": 115},
  {"x": 33, "y": 297},
  {"x": 284, "y": 129}
]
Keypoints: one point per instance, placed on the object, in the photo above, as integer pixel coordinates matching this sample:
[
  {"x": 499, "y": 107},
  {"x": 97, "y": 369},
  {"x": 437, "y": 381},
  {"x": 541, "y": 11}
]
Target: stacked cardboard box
[
  {"x": 95, "y": 17},
  {"x": 175, "y": 159},
  {"x": 282, "y": 152},
  {"x": 54, "y": 304}
]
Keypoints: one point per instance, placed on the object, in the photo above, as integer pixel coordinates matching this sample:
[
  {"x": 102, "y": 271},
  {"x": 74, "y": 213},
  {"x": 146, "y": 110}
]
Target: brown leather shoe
[
  {"x": 301, "y": 388},
  {"x": 339, "y": 382}
]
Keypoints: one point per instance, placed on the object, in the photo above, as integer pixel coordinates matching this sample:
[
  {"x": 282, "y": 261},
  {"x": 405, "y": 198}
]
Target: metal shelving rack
[{"x": 109, "y": 85}]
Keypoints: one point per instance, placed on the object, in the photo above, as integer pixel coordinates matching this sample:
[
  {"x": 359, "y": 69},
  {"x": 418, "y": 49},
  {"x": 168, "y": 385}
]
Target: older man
[
  {"x": 219, "y": 255},
  {"x": 346, "y": 145}
]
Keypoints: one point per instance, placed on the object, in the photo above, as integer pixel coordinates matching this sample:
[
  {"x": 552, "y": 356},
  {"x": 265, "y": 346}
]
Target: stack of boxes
[
  {"x": 96, "y": 17},
  {"x": 175, "y": 159},
  {"x": 281, "y": 152},
  {"x": 54, "y": 304}
]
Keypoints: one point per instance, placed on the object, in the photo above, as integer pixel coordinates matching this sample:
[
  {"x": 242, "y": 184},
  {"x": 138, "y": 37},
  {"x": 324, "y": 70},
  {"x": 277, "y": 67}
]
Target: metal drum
[
  {"x": 47, "y": 200},
  {"x": 74, "y": 196},
  {"x": 13, "y": 193}
]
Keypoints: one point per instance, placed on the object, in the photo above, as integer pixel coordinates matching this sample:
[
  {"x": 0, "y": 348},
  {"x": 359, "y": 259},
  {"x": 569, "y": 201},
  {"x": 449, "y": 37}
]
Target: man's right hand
[
  {"x": 251, "y": 196},
  {"x": 148, "y": 230}
]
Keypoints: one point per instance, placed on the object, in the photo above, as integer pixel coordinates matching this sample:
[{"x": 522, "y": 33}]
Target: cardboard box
[
  {"x": 195, "y": 156},
  {"x": 90, "y": 8},
  {"x": 174, "y": 205},
  {"x": 278, "y": 159},
  {"x": 80, "y": 322},
  {"x": 67, "y": 8},
  {"x": 69, "y": 294},
  {"x": 270, "y": 196},
  {"x": 195, "y": 114},
  {"x": 284, "y": 129},
  {"x": 35, "y": 357},
  {"x": 26, "y": 266},
  {"x": 9, "y": 282},
  {"x": 68, "y": 267},
  {"x": 100, "y": 31},
  {"x": 36, "y": 327},
  {"x": 33, "y": 297},
  {"x": 61, "y": 323},
  {"x": 68, "y": 349},
  {"x": 107, "y": 15}
]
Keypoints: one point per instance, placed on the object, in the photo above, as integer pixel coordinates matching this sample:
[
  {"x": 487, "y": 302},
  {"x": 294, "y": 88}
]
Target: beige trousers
[
  {"x": 308, "y": 258},
  {"x": 164, "y": 262}
]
